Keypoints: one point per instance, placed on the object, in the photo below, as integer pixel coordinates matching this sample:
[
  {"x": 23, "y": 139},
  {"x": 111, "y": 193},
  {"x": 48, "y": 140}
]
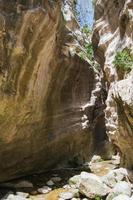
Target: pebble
[
  {"x": 66, "y": 195},
  {"x": 73, "y": 186},
  {"x": 75, "y": 192},
  {"x": 55, "y": 175},
  {"x": 44, "y": 190},
  {"x": 50, "y": 183},
  {"x": 33, "y": 192},
  {"x": 56, "y": 179},
  {"x": 24, "y": 184},
  {"x": 66, "y": 187},
  {"x": 22, "y": 194},
  {"x": 96, "y": 159}
]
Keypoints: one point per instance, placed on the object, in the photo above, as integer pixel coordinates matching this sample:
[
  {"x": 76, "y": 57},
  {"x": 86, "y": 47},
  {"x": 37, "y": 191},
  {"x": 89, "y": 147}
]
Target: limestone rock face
[
  {"x": 112, "y": 33},
  {"x": 122, "y": 94},
  {"x": 47, "y": 115}
]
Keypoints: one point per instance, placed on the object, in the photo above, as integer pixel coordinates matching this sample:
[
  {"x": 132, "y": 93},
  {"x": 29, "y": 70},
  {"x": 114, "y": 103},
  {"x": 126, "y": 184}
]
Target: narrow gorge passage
[{"x": 66, "y": 99}]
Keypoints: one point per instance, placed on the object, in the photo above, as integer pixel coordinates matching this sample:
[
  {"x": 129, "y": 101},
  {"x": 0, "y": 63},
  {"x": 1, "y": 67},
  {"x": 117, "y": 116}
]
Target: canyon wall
[
  {"x": 113, "y": 32},
  {"x": 50, "y": 101}
]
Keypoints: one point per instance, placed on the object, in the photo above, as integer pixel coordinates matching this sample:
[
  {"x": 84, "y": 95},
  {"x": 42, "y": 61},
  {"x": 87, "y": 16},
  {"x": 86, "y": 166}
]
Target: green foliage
[
  {"x": 82, "y": 55},
  {"x": 86, "y": 30},
  {"x": 123, "y": 60},
  {"x": 89, "y": 54},
  {"x": 89, "y": 51},
  {"x": 98, "y": 198}
]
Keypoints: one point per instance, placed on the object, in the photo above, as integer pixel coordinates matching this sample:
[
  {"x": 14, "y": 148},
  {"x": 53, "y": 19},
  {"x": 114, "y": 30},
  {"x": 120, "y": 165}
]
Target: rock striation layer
[
  {"x": 113, "y": 33},
  {"x": 47, "y": 115}
]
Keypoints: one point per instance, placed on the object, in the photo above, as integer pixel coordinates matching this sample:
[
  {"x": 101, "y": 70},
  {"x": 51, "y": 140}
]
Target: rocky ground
[{"x": 97, "y": 180}]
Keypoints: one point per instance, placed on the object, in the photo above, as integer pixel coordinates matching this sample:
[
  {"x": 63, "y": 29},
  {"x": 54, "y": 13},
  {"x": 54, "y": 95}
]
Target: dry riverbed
[{"x": 99, "y": 180}]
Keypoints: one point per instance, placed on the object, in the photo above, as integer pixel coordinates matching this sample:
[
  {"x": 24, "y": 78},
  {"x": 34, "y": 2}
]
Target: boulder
[
  {"x": 114, "y": 176},
  {"x": 92, "y": 186},
  {"x": 75, "y": 180},
  {"x": 121, "y": 188}
]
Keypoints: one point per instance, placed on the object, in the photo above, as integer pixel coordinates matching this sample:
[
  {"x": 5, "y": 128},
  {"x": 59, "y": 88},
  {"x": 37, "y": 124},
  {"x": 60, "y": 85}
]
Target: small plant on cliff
[
  {"x": 123, "y": 60},
  {"x": 85, "y": 29},
  {"x": 89, "y": 51},
  {"x": 98, "y": 198}
]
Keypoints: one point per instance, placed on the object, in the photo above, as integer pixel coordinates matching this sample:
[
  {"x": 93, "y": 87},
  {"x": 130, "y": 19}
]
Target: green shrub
[
  {"x": 89, "y": 51},
  {"x": 98, "y": 198},
  {"x": 82, "y": 55},
  {"x": 123, "y": 60},
  {"x": 85, "y": 29}
]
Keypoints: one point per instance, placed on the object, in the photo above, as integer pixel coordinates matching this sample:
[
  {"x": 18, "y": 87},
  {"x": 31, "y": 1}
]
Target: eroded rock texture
[
  {"x": 47, "y": 114},
  {"x": 113, "y": 33}
]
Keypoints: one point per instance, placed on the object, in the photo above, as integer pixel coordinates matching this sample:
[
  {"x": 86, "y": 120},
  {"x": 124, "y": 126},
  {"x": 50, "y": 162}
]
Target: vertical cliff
[
  {"x": 113, "y": 45},
  {"x": 50, "y": 101}
]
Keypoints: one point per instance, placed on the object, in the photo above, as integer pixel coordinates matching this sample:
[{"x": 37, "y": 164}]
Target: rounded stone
[
  {"x": 122, "y": 187},
  {"x": 56, "y": 179},
  {"x": 122, "y": 197},
  {"x": 66, "y": 195},
  {"x": 22, "y": 194},
  {"x": 50, "y": 183},
  {"x": 44, "y": 190}
]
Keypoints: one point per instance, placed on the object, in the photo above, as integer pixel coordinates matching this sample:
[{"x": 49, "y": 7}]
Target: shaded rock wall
[
  {"x": 122, "y": 93},
  {"x": 45, "y": 118},
  {"x": 112, "y": 33}
]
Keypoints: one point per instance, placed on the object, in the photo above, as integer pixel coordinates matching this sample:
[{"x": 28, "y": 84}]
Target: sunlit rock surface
[
  {"x": 112, "y": 33},
  {"x": 47, "y": 115}
]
